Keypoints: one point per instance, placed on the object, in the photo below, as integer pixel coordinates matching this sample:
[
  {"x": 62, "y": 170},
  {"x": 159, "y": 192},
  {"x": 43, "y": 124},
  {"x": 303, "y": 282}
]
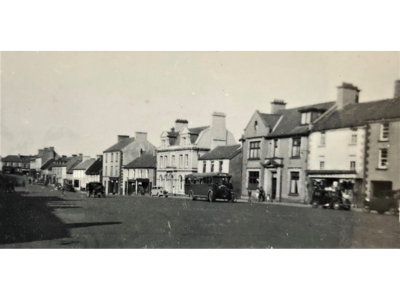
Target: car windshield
[{"x": 221, "y": 180}]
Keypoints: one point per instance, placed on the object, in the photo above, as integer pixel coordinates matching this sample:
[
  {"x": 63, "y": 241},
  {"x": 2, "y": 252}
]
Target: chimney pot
[{"x": 121, "y": 137}]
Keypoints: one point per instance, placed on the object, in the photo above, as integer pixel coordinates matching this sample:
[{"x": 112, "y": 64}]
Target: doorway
[{"x": 273, "y": 186}]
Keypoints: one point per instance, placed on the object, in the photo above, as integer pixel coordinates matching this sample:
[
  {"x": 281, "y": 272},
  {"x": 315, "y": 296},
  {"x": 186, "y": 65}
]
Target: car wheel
[
  {"x": 366, "y": 209},
  {"x": 88, "y": 194},
  {"x": 211, "y": 196},
  {"x": 381, "y": 212},
  {"x": 336, "y": 206},
  {"x": 314, "y": 204},
  {"x": 232, "y": 199}
]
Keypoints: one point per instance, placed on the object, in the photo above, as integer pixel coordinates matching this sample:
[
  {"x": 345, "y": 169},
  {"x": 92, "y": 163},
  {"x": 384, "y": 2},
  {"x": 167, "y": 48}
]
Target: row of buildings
[{"x": 343, "y": 143}]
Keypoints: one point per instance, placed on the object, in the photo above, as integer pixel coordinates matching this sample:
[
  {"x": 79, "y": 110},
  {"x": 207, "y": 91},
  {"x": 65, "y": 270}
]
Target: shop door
[{"x": 273, "y": 187}]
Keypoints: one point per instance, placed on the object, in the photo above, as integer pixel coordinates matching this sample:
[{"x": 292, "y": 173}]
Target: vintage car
[
  {"x": 387, "y": 201},
  {"x": 158, "y": 191},
  {"x": 211, "y": 186},
  {"x": 329, "y": 199},
  {"x": 95, "y": 189}
]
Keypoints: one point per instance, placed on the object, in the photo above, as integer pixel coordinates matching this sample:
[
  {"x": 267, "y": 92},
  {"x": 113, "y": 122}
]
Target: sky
[{"x": 78, "y": 102}]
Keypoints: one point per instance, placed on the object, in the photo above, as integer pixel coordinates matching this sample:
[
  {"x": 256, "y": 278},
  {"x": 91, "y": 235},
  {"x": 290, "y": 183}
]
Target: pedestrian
[{"x": 261, "y": 195}]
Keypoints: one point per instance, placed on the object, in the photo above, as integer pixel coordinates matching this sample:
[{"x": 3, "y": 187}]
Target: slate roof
[
  {"x": 291, "y": 120},
  {"x": 48, "y": 164},
  {"x": 358, "y": 114},
  {"x": 18, "y": 158},
  {"x": 84, "y": 165},
  {"x": 270, "y": 119},
  {"x": 174, "y": 138},
  {"x": 146, "y": 161},
  {"x": 120, "y": 145},
  {"x": 222, "y": 152},
  {"x": 95, "y": 168}
]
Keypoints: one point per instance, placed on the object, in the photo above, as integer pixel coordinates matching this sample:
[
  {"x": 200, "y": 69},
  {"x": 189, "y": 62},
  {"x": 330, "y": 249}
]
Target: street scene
[
  {"x": 93, "y": 162},
  {"x": 42, "y": 217}
]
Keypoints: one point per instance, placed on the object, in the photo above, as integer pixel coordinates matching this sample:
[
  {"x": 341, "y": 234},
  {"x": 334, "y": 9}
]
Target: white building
[
  {"x": 181, "y": 148},
  {"x": 79, "y": 177}
]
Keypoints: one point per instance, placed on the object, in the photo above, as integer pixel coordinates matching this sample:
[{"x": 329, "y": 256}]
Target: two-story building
[
  {"x": 181, "y": 147},
  {"x": 382, "y": 162},
  {"x": 275, "y": 151},
  {"x": 119, "y": 155},
  {"x": 18, "y": 164},
  {"x": 224, "y": 159},
  {"x": 140, "y": 174},
  {"x": 62, "y": 167},
  {"x": 339, "y": 146}
]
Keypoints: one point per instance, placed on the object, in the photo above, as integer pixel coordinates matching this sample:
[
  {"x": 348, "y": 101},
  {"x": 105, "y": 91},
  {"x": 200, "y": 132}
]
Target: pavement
[{"x": 41, "y": 217}]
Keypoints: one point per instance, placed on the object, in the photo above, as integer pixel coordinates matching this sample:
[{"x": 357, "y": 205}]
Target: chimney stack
[
  {"x": 121, "y": 137},
  {"x": 141, "y": 136},
  {"x": 40, "y": 152},
  {"x": 347, "y": 94},
  {"x": 218, "y": 130},
  {"x": 277, "y": 106},
  {"x": 179, "y": 124},
  {"x": 99, "y": 156},
  {"x": 397, "y": 89}
]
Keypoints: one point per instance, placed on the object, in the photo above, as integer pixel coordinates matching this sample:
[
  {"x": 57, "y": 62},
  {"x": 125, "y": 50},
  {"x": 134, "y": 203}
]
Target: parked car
[
  {"x": 159, "y": 192},
  {"x": 95, "y": 189},
  {"x": 329, "y": 199},
  {"x": 387, "y": 201}
]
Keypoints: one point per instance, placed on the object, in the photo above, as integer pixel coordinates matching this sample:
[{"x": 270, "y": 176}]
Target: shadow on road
[{"x": 28, "y": 219}]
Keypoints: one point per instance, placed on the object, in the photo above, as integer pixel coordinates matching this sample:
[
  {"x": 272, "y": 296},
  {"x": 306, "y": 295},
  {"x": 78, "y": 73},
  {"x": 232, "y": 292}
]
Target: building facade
[
  {"x": 17, "y": 164},
  {"x": 79, "y": 177},
  {"x": 119, "y": 155},
  {"x": 275, "y": 151},
  {"x": 140, "y": 174},
  {"x": 347, "y": 139},
  {"x": 182, "y": 147},
  {"x": 62, "y": 167},
  {"x": 224, "y": 159},
  {"x": 40, "y": 159}
]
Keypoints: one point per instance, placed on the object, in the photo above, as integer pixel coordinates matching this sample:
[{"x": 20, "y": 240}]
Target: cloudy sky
[{"x": 78, "y": 102}]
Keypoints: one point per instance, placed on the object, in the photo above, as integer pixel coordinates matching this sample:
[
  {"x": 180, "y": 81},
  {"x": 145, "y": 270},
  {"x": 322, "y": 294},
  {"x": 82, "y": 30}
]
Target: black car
[
  {"x": 329, "y": 199},
  {"x": 387, "y": 201},
  {"x": 95, "y": 189}
]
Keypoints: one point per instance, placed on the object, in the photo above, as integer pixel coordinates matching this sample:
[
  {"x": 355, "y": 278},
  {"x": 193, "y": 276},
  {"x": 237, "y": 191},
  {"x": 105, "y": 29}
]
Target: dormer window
[
  {"x": 305, "y": 118},
  {"x": 183, "y": 141}
]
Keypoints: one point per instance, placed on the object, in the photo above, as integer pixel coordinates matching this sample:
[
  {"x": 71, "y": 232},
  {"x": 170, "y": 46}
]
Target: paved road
[{"x": 40, "y": 217}]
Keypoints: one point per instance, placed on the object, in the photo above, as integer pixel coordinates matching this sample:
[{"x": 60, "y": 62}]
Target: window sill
[
  {"x": 352, "y": 144},
  {"x": 381, "y": 169},
  {"x": 258, "y": 158},
  {"x": 321, "y": 146},
  {"x": 295, "y": 157},
  {"x": 383, "y": 141}
]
